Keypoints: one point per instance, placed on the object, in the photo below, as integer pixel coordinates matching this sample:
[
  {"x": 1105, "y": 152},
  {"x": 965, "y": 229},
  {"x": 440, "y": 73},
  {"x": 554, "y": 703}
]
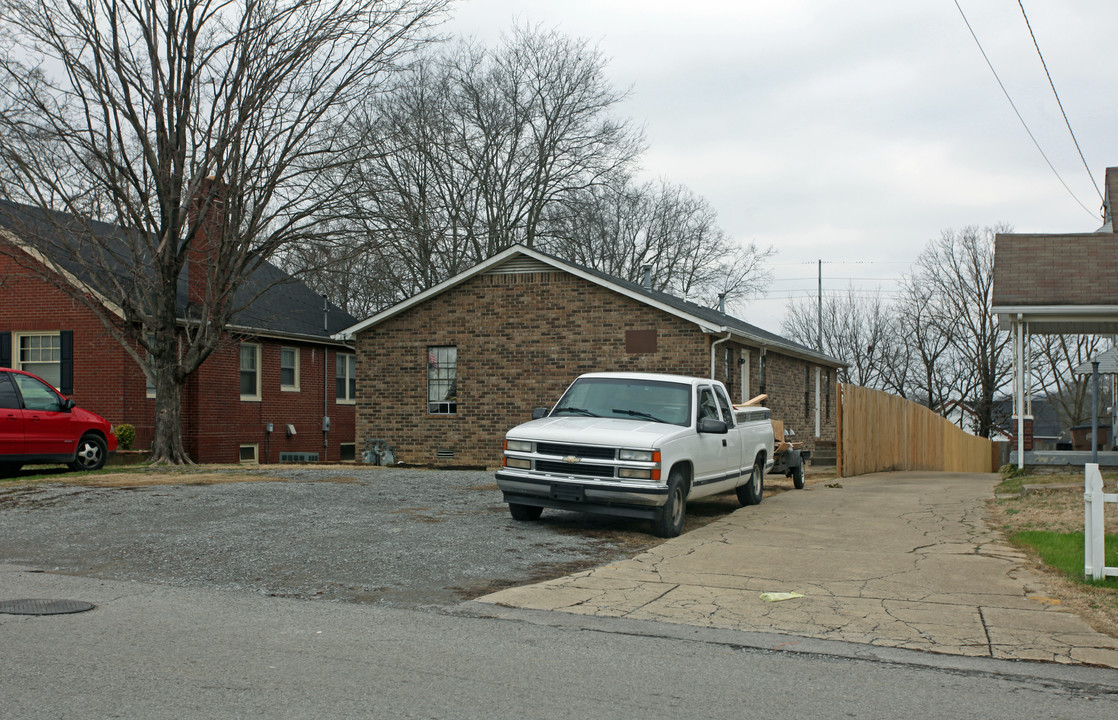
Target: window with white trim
[
  {"x": 442, "y": 380},
  {"x": 250, "y": 371},
  {"x": 41, "y": 355},
  {"x": 289, "y": 369},
  {"x": 250, "y": 454},
  {"x": 346, "y": 379}
]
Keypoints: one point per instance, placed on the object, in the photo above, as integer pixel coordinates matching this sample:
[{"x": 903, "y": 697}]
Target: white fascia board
[
  {"x": 1059, "y": 310},
  {"x": 1103, "y": 315}
]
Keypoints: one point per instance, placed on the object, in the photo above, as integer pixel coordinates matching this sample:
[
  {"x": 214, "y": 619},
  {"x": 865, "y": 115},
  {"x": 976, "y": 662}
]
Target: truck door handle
[{"x": 723, "y": 442}]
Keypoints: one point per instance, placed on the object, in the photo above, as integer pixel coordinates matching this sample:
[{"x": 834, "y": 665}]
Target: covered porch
[{"x": 1059, "y": 284}]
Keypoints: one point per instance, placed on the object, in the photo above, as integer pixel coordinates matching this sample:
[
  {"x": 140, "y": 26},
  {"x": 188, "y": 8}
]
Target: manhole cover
[{"x": 43, "y": 607}]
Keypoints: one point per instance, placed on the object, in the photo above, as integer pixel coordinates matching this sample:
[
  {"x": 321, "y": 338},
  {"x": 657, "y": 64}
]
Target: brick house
[
  {"x": 278, "y": 363},
  {"x": 442, "y": 376}
]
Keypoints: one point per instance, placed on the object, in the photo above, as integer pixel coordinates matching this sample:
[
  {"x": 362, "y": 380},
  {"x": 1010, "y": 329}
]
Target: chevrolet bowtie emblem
[{"x": 570, "y": 459}]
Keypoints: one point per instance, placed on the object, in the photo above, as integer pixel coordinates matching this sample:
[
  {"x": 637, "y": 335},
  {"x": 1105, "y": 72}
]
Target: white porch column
[
  {"x": 1019, "y": 386},
  {"x": 818, "y": 393}
]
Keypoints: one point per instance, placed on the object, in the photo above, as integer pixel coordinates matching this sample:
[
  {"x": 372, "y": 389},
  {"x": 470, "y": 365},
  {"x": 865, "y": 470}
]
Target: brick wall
[
  {"x": 30, "y": 305},
  {"x": 783, "y": 381},
  {"x": 521, "y": 339},
  {"x": 216, "y": 422}
]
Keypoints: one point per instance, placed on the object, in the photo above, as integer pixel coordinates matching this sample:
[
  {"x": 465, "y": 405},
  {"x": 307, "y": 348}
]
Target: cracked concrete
[{"x": 894, "y": 560}]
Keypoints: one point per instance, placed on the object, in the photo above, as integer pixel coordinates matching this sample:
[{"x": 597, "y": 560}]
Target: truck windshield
[{"x": 654, "y": 400}]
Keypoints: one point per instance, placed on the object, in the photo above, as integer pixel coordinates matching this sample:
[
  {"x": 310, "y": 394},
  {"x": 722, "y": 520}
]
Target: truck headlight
[
  {"x": 518, "y": 446},
  {"x": 519, "y": 463},
  {"x": 636, "y": 455},
  {"x": 634, "y": 473}
]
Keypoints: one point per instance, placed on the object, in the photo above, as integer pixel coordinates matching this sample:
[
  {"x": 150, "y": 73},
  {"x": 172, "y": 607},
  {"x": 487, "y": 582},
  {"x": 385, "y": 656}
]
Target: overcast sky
[{"x": 853, "y": 131}]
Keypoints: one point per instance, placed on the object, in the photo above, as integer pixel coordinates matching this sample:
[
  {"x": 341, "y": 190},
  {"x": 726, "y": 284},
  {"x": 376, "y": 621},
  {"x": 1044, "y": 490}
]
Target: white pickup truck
[{"x": 636, "y": 445}]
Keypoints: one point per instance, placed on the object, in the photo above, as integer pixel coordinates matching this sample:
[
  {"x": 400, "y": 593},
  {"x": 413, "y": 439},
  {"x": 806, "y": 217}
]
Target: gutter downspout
[{"x": 712, "y": 346}]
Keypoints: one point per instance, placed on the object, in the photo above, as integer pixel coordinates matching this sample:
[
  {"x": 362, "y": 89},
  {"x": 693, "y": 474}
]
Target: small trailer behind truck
[{"x": 636, "y": 445}]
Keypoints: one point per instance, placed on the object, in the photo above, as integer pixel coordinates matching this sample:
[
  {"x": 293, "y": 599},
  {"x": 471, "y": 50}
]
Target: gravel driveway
[{"x": 403, "y": 537}]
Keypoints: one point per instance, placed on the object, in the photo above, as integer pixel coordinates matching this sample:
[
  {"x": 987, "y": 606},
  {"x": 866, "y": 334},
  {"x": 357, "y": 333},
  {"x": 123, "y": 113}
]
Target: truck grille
[
  {"x": 559, "y": 467},
  {"x": 578, "y": 451}
]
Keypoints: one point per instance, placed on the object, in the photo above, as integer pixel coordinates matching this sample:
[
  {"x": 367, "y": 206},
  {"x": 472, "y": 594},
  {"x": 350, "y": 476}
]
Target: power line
[
  {"x": 832, "y": 277},
  {"x": 1018, "y": 113},
  {"x": 1053, "y": 86}
]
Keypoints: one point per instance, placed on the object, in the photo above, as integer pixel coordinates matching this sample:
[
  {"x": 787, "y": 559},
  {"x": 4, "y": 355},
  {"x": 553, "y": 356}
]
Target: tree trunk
[{"x": 167, "y": 446}]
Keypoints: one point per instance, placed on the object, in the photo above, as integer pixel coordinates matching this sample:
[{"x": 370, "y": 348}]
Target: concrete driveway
[{"x": 896, "y": 560}]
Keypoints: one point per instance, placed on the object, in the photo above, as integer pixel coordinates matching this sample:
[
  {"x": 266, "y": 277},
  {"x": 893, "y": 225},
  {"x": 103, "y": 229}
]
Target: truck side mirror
[
  {"x": 538, "y": 413},
  {"x": 713, "y": 426}
]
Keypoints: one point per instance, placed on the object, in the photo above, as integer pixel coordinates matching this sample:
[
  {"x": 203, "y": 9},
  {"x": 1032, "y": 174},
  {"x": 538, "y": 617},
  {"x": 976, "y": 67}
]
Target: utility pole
[{"x": 819, "y": 332}]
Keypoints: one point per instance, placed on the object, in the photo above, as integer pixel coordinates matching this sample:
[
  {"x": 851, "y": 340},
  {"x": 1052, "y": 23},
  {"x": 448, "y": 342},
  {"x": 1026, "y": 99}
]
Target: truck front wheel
[
  {"x": 524, "y": 513},
  {"x": 669, "y": 523}
]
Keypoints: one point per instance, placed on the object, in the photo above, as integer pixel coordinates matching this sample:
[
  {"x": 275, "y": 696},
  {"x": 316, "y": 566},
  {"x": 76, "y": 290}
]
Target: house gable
[
  {"x": 289, "y": 323},
  {"x": 521, "y": 333}
]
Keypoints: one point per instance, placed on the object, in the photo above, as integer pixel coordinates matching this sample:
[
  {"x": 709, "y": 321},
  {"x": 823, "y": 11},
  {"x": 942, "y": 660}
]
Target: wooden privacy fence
[{"x": 878, "y": 432}]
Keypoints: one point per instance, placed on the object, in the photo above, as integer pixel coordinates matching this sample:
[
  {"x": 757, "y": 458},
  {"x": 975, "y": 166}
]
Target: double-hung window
[
  {"x": 289, "y": 369},
  {"x": 42, "y": 355},
  {"x": 442, "y": 380},
  {"x": 346, "y": 379},
  {"x": 250, "y": 371}
]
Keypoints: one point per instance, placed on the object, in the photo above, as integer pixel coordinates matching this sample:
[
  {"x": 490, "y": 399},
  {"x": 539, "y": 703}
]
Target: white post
[
  {"x": 745, "y": 356},
  {"x": 1094, "y": 560},
  {"x": 1019, "y": 347},
  {"x": 818, "y": 393}
]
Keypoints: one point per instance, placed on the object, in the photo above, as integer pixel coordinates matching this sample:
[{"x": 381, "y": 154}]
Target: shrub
[{"x": 125, "y": 435}]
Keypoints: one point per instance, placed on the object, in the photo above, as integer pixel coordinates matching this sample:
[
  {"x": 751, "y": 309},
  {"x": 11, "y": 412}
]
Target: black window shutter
[
  {"x": 67, "y": 363},
  {"x": 5, "y": 349}
]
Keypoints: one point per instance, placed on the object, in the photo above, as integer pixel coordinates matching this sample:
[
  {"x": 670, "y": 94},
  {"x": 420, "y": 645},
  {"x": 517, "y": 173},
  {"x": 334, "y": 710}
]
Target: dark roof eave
[
  {"x": 279, "y": 335},
  {"x": 790, "y": 350}
]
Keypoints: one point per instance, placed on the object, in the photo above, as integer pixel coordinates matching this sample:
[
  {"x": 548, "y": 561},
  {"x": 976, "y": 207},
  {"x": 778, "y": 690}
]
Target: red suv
[{"x": 37, "y": 425}]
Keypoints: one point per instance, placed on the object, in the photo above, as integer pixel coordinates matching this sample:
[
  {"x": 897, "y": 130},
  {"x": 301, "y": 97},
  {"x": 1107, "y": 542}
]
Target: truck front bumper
[{"x": 604, "y": 498}]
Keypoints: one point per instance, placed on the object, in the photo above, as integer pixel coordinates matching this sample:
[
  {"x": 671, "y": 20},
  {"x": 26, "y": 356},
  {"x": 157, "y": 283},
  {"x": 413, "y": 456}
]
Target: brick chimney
[{"x": 207, "y": 215}]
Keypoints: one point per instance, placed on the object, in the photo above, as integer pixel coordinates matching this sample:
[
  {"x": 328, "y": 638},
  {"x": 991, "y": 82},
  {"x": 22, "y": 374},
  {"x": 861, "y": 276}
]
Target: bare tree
[
  {"x": 183, "y": 121},
  {"x": 925, "y": 331},
  {"x": 1055, "y": 357},
  {"x": 619, "y": 227},
  {"x": 856, "y": 329},
  {"x": 465, "y": 154},
  {"x": 957, "y": 269}
]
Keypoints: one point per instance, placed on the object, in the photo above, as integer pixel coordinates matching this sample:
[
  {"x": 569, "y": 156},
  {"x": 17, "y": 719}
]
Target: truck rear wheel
[
  {"x": 524, "y": 513},
  {"x": 753, "y": 492},
  {"x": 669, "y": 522}
]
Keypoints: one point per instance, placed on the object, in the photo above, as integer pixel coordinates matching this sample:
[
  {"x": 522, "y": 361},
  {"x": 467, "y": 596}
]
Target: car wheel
[
  {"x": 91, "y": 454},
  {"x": 753, "y": 492},
  {"x": 524, "y": 513},
  {"x": 9, "y": 469},
  {"x": 798, "y": 477},
  {"x": 669, "y": 522}
]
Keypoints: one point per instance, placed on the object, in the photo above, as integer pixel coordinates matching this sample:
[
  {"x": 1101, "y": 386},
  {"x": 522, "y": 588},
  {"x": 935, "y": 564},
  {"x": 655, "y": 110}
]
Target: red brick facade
[
  {"x": 216, "y": 422},
  {"x": 520, "y": 340}
]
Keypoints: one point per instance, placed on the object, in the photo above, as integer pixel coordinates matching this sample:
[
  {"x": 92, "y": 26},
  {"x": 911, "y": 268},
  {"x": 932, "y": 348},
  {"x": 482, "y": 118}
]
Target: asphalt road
[
  {"x": 200, "y": 610},
  {"x": 401, "y": 537},
  {"x": 153, "y": 652}
]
